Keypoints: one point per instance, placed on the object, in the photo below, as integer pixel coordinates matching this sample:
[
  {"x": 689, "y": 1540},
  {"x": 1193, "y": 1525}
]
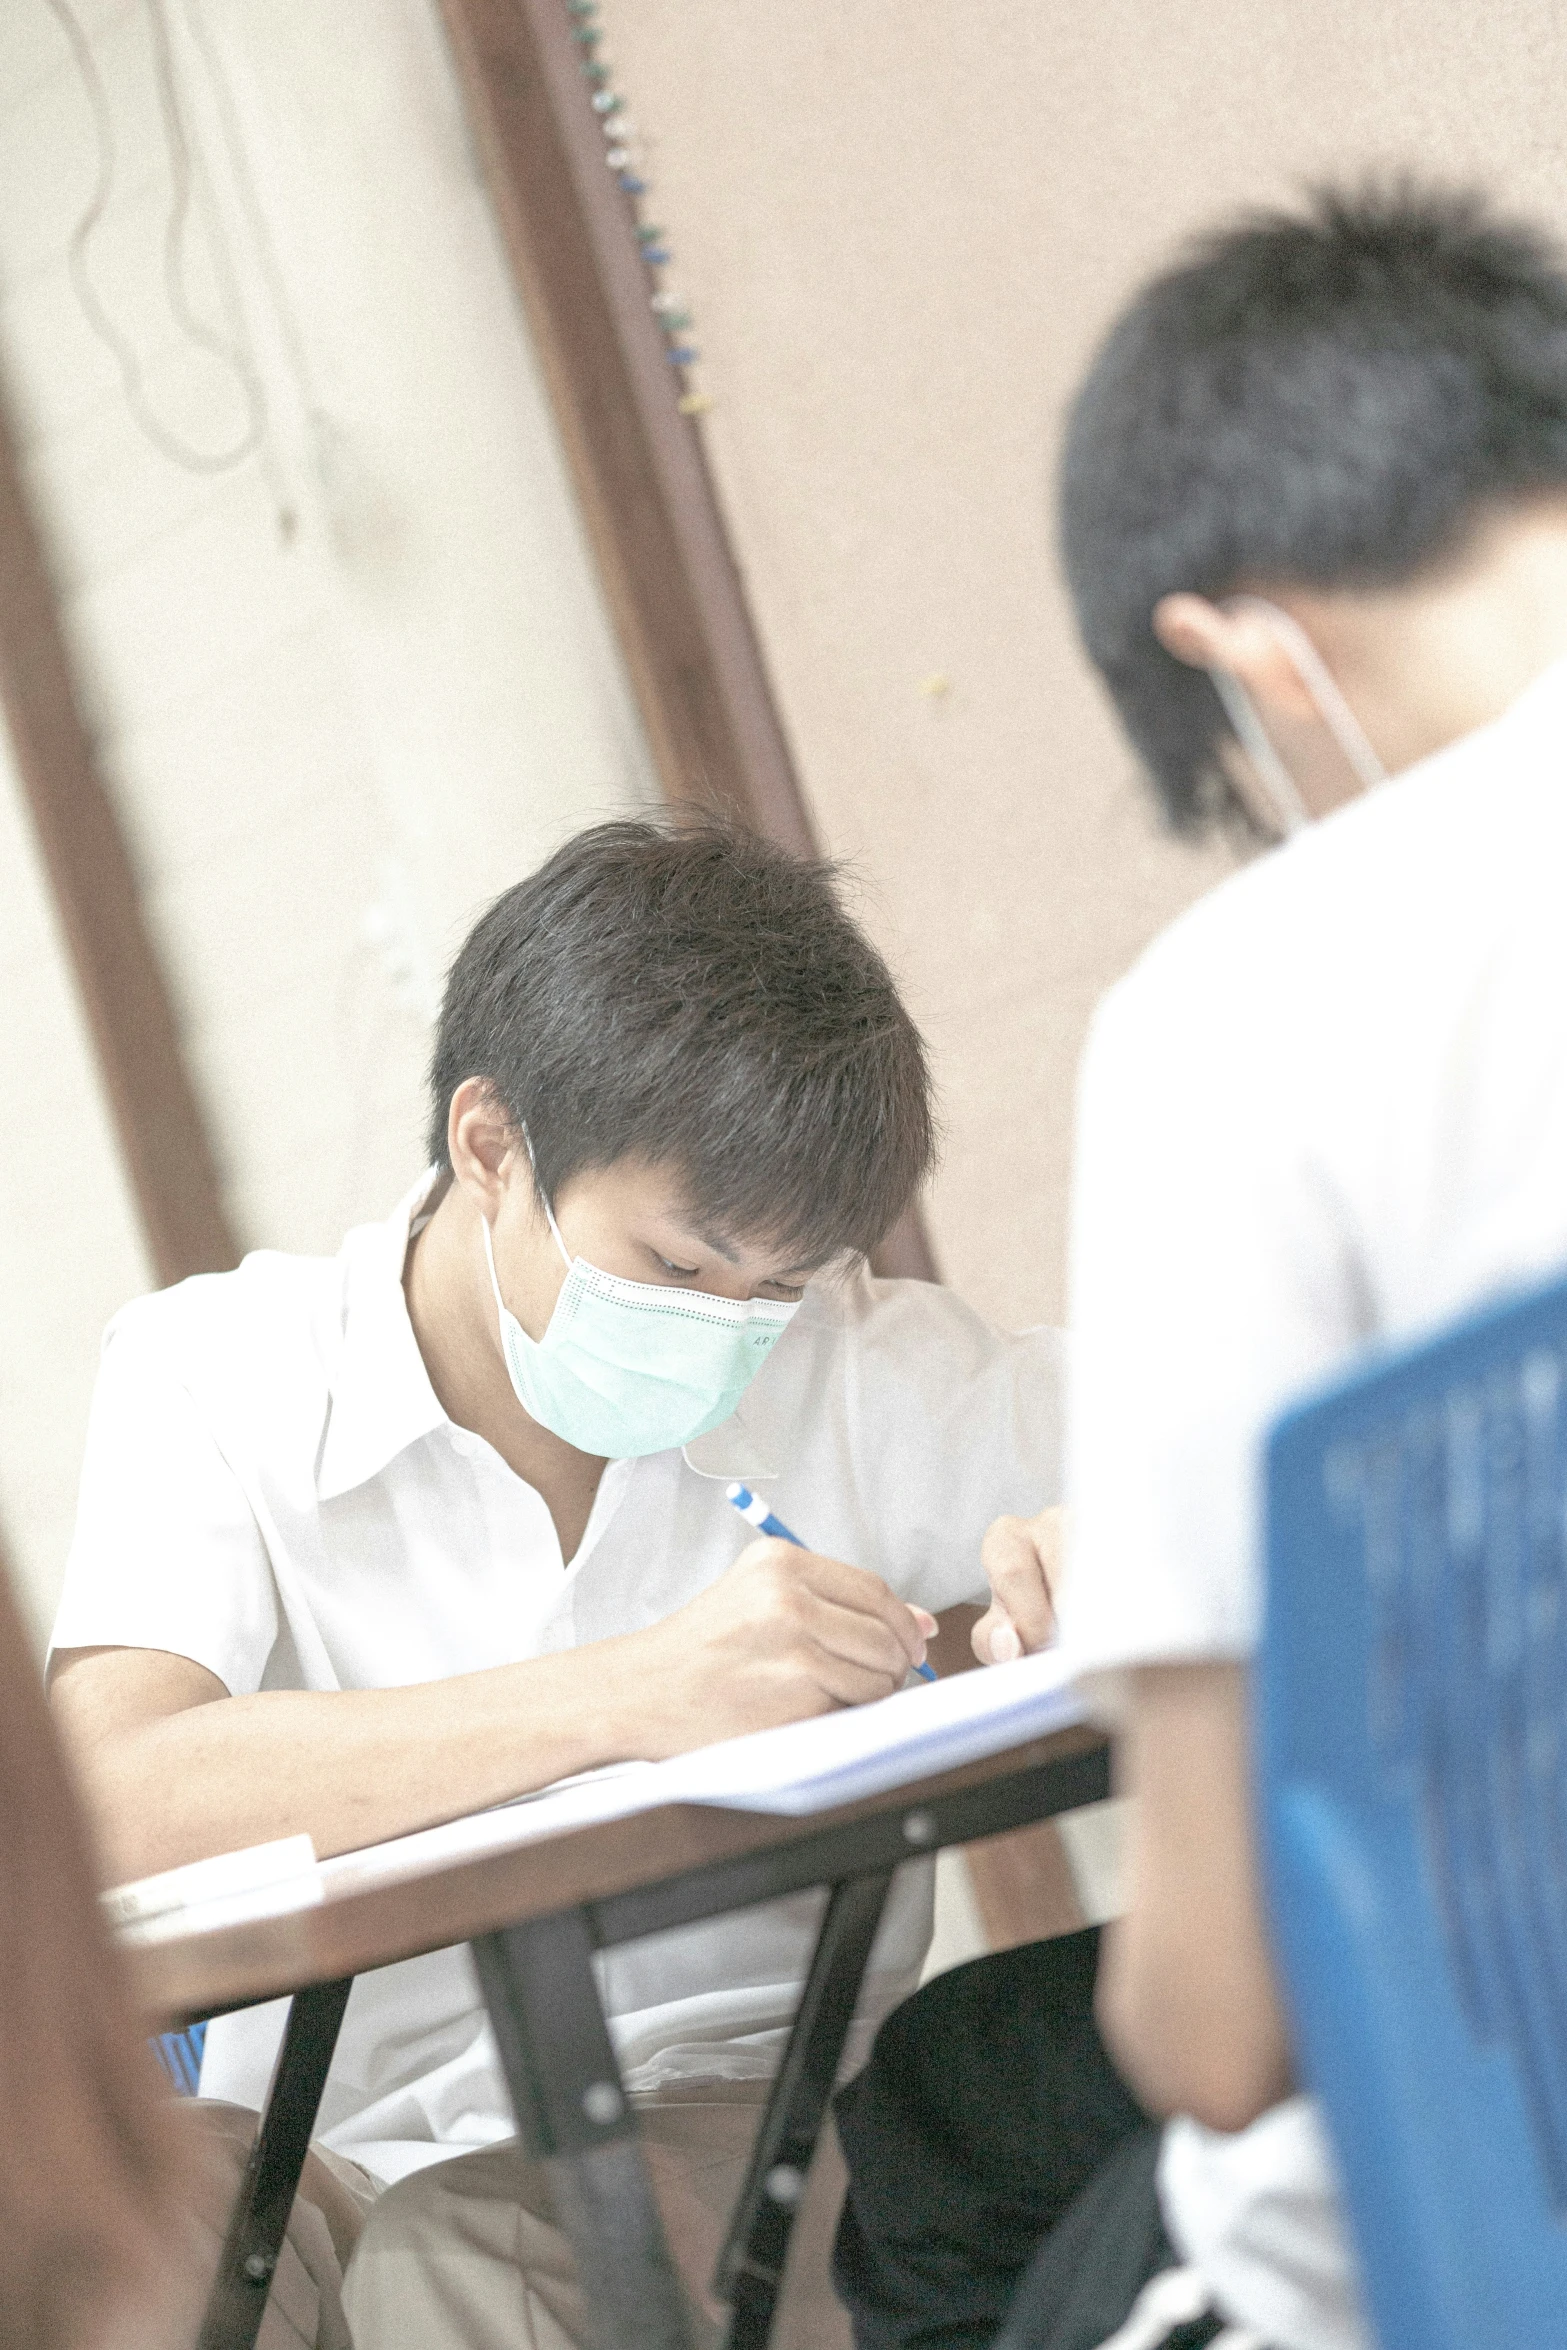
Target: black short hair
[
  {"x": 686, "y": 994},
  {"x": 1328, "y": 399}
]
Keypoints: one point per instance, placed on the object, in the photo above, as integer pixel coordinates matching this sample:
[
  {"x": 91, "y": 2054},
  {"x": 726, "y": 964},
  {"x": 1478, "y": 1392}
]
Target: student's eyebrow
[
  {"x": 794, "y": 1274},
  {"x": 785, "y": 1279},
  {"x": 712, "y": 1241}
]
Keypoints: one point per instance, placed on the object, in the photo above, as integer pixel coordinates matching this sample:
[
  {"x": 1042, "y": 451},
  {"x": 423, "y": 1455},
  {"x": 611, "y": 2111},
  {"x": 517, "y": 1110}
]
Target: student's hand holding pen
[
  {"x": 1022, "y": 1559},
  {"x": 785, "y": 1633}
]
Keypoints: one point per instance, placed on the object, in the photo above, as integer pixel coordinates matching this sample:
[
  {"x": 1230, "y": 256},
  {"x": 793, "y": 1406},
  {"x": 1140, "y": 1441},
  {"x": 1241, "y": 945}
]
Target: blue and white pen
[{"x": 756, "y": 1513}]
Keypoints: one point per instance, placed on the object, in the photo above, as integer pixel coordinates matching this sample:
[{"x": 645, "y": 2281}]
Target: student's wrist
[{"x": 626, "y": 1696}]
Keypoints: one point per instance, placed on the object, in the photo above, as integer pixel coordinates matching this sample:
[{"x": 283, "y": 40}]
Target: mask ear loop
[
  {"x": 1289, "y": 809},
  {"x": 543, "y": 1202},
  {"x": 723, "y": 1476},
  {"x": 489, "y": 1258},
  {"x": 1324, "y": 689}
]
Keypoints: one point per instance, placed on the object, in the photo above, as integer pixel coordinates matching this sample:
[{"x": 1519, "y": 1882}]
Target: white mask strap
[
  {"x": 1323, "y": 687},
  {"x": 543, "y": 1202},
  {"x": 1334, "y": 711},
  {"x": 719, "y": 1476},
  {"x": 1289, "y": 809},
  {"x": 489, "y": 1258}
]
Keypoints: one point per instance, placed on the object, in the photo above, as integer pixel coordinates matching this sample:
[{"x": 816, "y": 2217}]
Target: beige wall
[{"x": 902, "y": 225}]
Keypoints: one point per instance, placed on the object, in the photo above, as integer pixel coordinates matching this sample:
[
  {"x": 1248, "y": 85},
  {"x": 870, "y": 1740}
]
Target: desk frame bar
[
  {"x": 266, "y": 2197},
  {"x": 750, "y": 2268},
  {"x": 574, "y": 2116},
  {"x": 855, "y": 1848}
]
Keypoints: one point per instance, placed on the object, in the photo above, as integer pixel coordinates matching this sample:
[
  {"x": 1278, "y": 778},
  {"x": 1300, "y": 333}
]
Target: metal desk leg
[
  {"x": 750, "y": 2267},
  {"x": 573, "y": 2115},
  {"x": 266, "y": 2196}
]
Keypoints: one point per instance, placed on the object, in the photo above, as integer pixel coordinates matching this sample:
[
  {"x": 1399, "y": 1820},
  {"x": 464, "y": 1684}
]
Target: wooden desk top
[{"x": 233, "y": 1966}]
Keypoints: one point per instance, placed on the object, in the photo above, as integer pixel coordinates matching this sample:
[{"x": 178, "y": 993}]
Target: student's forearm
[
  {"x": 177, "y": 1769},
  {"x": 1192, "y": 2034},
  {"x": 354, "y": 1766},
  {"x": 1187, "y": 2001}
]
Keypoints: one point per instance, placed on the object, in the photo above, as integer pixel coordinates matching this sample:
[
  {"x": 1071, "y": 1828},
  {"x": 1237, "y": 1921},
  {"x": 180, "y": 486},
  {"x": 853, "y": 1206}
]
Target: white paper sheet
[{"x": 843, "y": 1757}]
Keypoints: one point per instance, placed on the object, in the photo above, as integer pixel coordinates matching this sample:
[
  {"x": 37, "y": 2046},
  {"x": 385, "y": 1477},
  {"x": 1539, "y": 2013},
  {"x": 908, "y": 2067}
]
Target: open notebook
[{"x": 804, "y": 1767}]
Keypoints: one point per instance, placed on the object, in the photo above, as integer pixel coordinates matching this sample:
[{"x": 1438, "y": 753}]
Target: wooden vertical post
[
  {"x": 637, "y": 463},
  {"x": 167, "y": 1153}
]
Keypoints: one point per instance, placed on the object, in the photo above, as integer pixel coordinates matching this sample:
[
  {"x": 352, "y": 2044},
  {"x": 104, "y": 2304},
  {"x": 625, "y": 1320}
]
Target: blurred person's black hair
[
  {"x": 687, "y": 995},
  {"x": 1331, "y": 399}
]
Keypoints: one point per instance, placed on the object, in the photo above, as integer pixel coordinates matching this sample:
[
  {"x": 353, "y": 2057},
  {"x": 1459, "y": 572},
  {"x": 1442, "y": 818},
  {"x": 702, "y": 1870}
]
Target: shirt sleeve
[
  {"x": 166, "y": 1553},
  {"x": 1212, "y": 1278},
  {"x": 956, "y": 1424}
]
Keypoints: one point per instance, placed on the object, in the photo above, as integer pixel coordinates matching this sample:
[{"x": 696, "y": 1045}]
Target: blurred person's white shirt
[
  {"x": 272, "y": 1489},
  {"x": 1328, "y": 1106}
]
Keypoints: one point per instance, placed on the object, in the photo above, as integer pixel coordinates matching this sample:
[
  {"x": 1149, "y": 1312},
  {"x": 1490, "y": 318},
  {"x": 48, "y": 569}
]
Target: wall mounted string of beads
[{"x": 622, "y": 155}]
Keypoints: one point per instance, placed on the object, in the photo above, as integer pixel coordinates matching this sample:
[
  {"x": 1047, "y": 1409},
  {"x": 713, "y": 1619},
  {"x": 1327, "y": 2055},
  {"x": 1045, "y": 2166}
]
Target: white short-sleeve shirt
[
  {"x": 272, "y": 1489},
  {"x": 1328, "y": 1106}
]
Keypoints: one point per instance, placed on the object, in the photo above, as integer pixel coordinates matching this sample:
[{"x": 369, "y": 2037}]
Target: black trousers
[{"x": 997, "y": 2165}]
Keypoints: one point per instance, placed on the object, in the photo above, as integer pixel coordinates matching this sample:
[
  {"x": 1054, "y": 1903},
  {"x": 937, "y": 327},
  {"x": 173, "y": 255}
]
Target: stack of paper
[{"x": 804, "y": 1767}]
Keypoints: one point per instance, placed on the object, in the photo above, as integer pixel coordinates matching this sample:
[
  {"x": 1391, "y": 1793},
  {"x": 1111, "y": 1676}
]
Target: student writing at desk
[{"x": 372, "y": 1542}]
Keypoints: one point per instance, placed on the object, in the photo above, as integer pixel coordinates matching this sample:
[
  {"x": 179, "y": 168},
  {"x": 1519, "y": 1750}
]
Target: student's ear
[
  {"x": 482, "y": 1143},
  {"x": 1206, "y": 635}
]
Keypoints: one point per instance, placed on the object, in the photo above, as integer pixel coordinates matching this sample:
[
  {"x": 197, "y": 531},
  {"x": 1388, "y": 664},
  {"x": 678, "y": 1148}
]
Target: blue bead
[
  {"x": 682, "y": 355},
  {"x": 632, "y": 185},
  {"x": 655, "y": 255}
]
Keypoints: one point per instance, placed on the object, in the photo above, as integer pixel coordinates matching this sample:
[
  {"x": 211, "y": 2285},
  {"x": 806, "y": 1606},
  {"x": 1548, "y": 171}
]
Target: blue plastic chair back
[
  {"x": 179, "y": 2053},
  {"x": 1412, "y": 1702}
]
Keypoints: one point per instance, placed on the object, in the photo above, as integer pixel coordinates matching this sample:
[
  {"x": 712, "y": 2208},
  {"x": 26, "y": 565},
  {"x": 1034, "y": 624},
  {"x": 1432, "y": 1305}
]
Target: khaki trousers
[
  {"x": 305, "y": 2307},
  {"x": 467, "y": 2255}
]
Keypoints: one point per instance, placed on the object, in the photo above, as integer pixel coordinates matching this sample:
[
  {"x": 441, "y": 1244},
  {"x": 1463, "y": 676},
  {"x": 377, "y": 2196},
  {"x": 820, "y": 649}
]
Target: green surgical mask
[{"x": 630, "y": 1367}]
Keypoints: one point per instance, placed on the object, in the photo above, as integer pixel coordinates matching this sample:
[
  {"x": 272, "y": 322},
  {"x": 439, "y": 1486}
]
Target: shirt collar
[{"x": 381, "y": 1397}]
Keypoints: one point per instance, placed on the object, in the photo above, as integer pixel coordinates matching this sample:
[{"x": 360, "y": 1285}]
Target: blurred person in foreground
[
  {"x": 1314, "y": 517},
  {"x": 375, "y": 1541},
  {"x": 113, "y": 2202},
  {"x": 89, "y": 2177}
]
